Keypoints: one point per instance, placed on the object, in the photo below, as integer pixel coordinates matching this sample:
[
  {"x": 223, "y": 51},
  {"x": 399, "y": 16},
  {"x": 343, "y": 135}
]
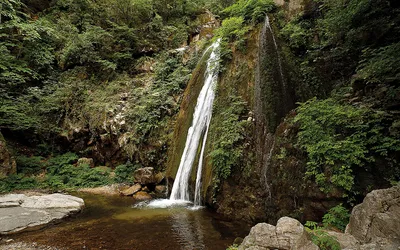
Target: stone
[
  {"x": 159, "y": 177},
  {"x": 18, "y": 211},
  {"x": 132, "y": 190},
  {"x": 376, "y": 221},
  {"x": 7, "y": 162},
  {"x": 160, "y": 189},
  {"x": 289, "y": 234},
  {"x": 346, "y": 241},
  {"x": 144, "y": 176},
  {"x": 146, "y": 189},
  {"x": 86, "y": 161},
  {"x": 110, "y": 190},
  {"x": 142, "y": 196}
]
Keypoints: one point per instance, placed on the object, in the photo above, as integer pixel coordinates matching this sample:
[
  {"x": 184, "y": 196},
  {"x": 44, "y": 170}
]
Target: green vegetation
[
  {"x": 227, "y": 146},
  {"x": 347, "y": 54},
  {"x": 239, "y": 19},
  {"x": 340, "y": 138},
  {"x": 337, "y": 217},
  {"x": 60, "y": 172}
]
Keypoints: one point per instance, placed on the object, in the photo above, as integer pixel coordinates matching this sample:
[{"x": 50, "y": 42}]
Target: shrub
[
  {"x": 337, "y": 217},
  {"x": 29, "y": 165},
  {"x": 340, "y": 137},
  {"x": 124, "y": 173},
  {"x": 321, "y": 238}
]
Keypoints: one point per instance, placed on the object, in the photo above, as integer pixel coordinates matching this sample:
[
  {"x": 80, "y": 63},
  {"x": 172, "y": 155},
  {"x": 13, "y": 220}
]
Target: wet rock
[
  {"x": 146, "y": 189},
  {"x": 142, "y": 196},
  {"x": 160, "y": 189},
  {"x": 132, "y": 190},
  {"x": 18, "y": 212},
  {"x": 7, "y": 163},
  {"x": 376, "y": 221},
  {"x": 144, "y": 176},
  {"x": 159, "y": 177},
  {"x": 289, "y": 234},
  {"x": 86, "y": 161}
]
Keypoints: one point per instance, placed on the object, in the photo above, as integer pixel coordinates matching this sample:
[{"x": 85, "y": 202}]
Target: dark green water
[{"x": 113, "y": 223}]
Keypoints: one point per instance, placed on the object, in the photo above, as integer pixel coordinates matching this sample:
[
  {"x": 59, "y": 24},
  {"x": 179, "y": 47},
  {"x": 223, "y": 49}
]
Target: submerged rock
[
  {"x": 289, "y": 234},
  {"x": 18, "y": 211}
]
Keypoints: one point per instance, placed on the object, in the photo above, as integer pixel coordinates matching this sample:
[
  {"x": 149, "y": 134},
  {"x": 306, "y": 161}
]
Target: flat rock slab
[{"x": 18, "y": 211}]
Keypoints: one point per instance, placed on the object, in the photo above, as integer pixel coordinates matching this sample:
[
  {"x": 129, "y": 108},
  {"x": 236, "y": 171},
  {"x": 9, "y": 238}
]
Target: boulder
[
  {"x": 159, "y": 177},
  {"x": 144, "y": 176},
  {"x": 7, "y": 163},
  {"x": 346, "y": 241},
  {"x": 142, "y": 196},
  {"x": 160, "y": 189},
  {"x": 109, "y": 190},
  {"x": 18, "y": 211},
  {"x": 86, "y": 161},
  {"x": 288, "y": 234},
  {"x": 132, "y": 190},
  {"x": 376, "y": 221}
]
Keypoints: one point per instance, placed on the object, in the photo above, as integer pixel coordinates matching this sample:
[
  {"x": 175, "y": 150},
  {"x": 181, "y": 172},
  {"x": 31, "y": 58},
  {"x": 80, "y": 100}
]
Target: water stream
[{"x": 197, "y": 131}]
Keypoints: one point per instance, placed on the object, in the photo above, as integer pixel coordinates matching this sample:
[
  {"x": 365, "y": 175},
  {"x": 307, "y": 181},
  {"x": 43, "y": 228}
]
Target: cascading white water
[
  {"x": 268, "y": 26},
  {"x": 200, "y": 123}
]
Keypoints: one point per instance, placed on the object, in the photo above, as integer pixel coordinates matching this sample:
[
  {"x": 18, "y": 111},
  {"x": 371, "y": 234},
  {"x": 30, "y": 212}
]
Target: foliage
[
  {"x": 337, "y": 217},
  {"x": 17, "y": 182},
  {"x": 380, "y": 65},
  {"x": 226, "y": 147},
  {"x": 233, "y": 247},
  {"x": 339, "y": 138},
  {"x": 239, "y": 18},
  {"x": 252, "y": 11},
  {"x": 232, "y": 29},
  {"x": 321, "y": 238},
  {"x": 29, "y": 165},
  {"x": 124, "y": 173}
]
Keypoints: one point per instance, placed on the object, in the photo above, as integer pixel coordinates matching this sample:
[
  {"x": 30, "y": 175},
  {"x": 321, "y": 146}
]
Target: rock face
[
  {"x": 18, "y": 211},
  {"x": 7, "y": 162},
  {"x": 376, "y": 221},
  {"x": 289, "y": 234}
]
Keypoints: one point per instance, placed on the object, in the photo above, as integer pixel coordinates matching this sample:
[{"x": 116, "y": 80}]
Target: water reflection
[
  {"x": 112, "y": 223},
  {"x": 188, "y": 230}
]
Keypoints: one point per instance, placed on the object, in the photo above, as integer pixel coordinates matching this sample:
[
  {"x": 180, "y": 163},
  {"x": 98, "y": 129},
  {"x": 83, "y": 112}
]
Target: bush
[
  {"x": 321, "y": 238},
  {"x": 17, "y": 182},
  {"x": 252, "y": 11},
  {"x": 124, "y": 173},
  {"x": 29, "y": 165},
  {"x": 337, "y": 217},
  {"x": 340, "y": 137}
]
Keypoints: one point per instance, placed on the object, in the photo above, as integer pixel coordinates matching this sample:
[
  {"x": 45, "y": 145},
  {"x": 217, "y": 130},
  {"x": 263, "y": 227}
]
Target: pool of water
[{"x": 118, "y": 223}]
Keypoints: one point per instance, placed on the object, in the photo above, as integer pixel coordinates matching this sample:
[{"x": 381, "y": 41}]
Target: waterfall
[
  {"x": 267, "y": 25},
  {"x": 199, "y": 129}
]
